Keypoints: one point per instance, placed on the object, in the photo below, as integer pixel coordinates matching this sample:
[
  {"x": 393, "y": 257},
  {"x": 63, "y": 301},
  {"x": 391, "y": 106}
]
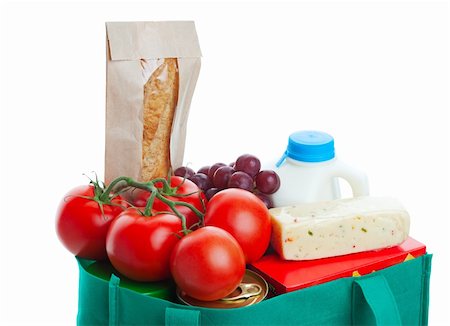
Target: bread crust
[{"x": 160, "y": 101}]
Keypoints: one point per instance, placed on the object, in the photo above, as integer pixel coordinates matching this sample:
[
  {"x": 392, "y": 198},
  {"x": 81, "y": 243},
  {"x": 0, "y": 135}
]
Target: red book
[{"x": 286, "y": 276}]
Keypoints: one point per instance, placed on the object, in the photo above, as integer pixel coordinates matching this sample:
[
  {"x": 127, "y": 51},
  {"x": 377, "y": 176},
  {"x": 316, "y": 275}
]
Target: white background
[{"x": 375, "y": 75}]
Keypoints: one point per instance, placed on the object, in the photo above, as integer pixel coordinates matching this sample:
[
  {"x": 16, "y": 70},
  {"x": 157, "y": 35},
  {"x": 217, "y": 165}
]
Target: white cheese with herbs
[{"x": 338, "y": 227}]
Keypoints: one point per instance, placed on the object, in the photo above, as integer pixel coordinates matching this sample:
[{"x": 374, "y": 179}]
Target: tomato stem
[
  {"x": 155, "y": 193},
  {"x": 105, "y": 195},
  {"x": 148, "y": 207}
]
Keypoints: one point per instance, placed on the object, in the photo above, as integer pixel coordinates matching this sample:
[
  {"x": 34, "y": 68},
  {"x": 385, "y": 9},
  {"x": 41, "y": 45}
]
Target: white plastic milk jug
[{"x": 309, "y": 171}]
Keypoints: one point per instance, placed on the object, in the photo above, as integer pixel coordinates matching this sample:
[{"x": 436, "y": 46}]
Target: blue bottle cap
[{"x": 309, "y": 146}]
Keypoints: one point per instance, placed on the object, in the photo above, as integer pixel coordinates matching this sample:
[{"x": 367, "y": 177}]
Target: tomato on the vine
[
  {"x": 245, "y": 217},
  {"x": 181, "y": 190},
  {"x": 82, "y": 221},
  {"x": 207, "y": 264},
  {"x": 140, "y": 246}
]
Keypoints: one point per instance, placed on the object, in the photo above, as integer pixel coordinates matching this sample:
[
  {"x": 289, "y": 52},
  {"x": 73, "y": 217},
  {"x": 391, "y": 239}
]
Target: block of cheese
[{"x": 338, "y": 227}]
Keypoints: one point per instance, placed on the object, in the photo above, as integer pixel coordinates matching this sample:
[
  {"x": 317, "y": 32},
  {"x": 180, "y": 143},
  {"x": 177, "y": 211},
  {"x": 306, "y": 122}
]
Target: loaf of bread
[
  {"x": 151, "y": 73},
  {"x": 160, "y": 101}
]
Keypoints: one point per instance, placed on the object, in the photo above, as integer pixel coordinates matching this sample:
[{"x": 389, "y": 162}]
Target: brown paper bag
[{"x": 151, "y": 72}]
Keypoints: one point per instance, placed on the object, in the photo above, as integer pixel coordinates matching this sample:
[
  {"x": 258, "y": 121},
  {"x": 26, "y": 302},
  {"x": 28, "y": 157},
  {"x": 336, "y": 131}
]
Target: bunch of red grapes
[{"x": 244, "y": 173}]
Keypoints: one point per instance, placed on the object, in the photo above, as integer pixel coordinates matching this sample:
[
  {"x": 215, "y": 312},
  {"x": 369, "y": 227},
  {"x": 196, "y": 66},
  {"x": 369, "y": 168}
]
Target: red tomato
[
  {"x": 187, "y": 192},
  {"x": 207, "y": 264},
  {"x": 82, "y": 226},
  {"x": 245, "y": 217},
  {"x": 139, "y": 246},
  {"x": 139, "y": 197}
]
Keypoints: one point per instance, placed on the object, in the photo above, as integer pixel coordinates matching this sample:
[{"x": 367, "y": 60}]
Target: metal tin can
[{"x": 253, "y": 289}]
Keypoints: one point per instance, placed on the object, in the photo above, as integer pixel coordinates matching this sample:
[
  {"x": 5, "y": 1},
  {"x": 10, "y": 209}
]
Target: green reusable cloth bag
[{"x": 397, "y": 295}]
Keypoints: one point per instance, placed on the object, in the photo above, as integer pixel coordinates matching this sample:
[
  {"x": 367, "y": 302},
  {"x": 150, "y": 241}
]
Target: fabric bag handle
[
  {"x": 114, "y": 282},
  {"x": 173, "y": 316},
  {"x": 373, "y": 302},
  {"x": 182, "y": 317}
]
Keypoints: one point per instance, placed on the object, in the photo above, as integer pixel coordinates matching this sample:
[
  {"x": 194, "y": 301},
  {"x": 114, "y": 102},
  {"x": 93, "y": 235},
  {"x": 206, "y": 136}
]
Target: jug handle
[{"x": 357, "y": 179}]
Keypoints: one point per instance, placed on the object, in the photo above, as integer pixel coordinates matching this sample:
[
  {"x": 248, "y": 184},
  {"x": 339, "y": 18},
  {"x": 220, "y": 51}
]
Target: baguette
[{"x": 160, "y": 101}]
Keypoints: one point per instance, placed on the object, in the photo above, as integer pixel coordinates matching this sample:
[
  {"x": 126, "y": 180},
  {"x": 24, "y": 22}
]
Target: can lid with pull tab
[{"x": 251, "y": 290}]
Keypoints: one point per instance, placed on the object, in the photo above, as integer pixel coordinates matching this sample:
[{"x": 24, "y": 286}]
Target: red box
[{"x": 286, "y": 276}]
